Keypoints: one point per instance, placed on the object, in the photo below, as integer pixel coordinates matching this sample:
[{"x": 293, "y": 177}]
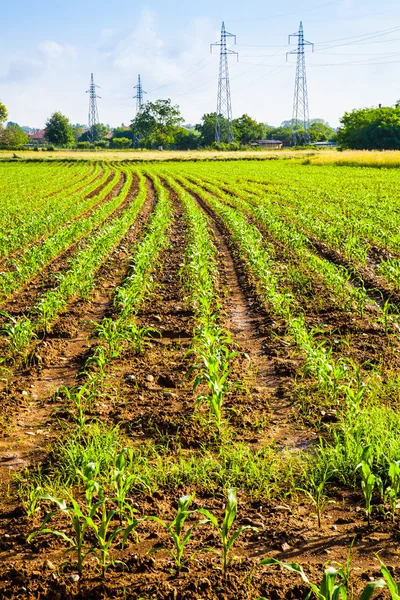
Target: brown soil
[
  {"x": 59, "y": 359},
  {"x": 151, "y": 398}
]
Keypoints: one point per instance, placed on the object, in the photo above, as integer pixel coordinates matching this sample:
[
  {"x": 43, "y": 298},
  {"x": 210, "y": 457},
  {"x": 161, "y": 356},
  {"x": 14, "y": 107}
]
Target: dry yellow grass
[
  {"x": 389, "y": 159},
  {"x": 152, "y": 155}
]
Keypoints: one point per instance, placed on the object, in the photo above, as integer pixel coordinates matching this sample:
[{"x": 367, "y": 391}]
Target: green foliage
[
  {"x": 371, "y": 129},
  {"x": 228, "y": 537},
  {"x": 84, "y": 145},
  {"x": 97, "y": 134},
  {"x": 368, "y": 479},
  {"x": 156, "y": 124},
  {"x": 59, "y": 131},
  {"x": 247, "y": 130},
  {"x": 176, "y": 531},
  {"x": 121, "y": 143},
  {"x": 13, "y": 137},
  {"x": 3, "y": 113}
]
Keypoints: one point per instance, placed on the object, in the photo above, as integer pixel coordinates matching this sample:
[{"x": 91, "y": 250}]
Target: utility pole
[
  {"x": 139, "y": 95},
  {"x": 223, "y": 124},
  {"x": 300, "y": 117},
  {"x": 93, "y": 112}
]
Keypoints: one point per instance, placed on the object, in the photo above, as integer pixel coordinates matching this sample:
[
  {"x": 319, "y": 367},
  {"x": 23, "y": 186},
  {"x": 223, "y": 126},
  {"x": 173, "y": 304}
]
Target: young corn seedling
[
  {"x": 123, "y": 481},
  {"x": 20, "y": 334},
  {"x": 331, "y": 587},
  {"x": 81, "y": 398},
  {"x": 394, "y": 588},
  {"x": 368, "y": 479},
  {"x": 113, "y": 335},
  {"x": 316, "y": 492},
  {"x": 176, "y": 530},
  {"x": 79, "y": 525},
  {"x": 136, "y": 336},
  {"x": 228, "y": 537},
  {"x": 392, "y": 492},
  {"x": 101, "y": 531}
]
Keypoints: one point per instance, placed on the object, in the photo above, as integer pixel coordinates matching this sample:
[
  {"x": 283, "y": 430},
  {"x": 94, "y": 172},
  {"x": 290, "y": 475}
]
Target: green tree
[
  {"x": 207, "y": 128},
  {"x": 58, "y": 130},
  {"x": 156, "y": 124},
  {"x": 278, "y": 133},
  {"x": 98, "y": 133},
  {"x": 186, "y": 139},
  {"x": 13, "y": 137},
  {"x": 247, "y": 130},
  {"x": 122, "y": 142},
  {"x": 320, "y": 131},
  {"x": 121, "y": 132},
  {"x": 77, "y": 131},
  {"x": 371, "y": 129},
  {"x": 3, "y": 113}
]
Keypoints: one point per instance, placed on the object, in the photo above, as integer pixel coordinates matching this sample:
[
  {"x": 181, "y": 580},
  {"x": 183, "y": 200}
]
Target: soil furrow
[
  {"x": 327, "y": 314},
  {"x": 156, "y": 398},
  {"x": 24, "y": 299},
  {"x": 59, "y": 359},
  {"x": 252, "y": 328}
]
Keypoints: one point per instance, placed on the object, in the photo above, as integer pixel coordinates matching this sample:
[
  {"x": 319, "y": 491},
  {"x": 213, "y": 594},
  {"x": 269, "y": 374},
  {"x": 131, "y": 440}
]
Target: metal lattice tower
[
  {"x": 93, "y": 118},
  {"x": 223, "y": 124},
  {"x": 300, "y": 119},
  {"x": 139, "y": 95}
]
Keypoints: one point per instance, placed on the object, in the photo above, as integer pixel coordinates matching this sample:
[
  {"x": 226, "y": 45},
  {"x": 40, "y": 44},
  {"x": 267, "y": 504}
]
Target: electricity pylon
[
  {"x": 139, "y": 95},
  {"x": 223, "y": 124},
  {"x": 93, "y": 112},
  {"x": 300, "y": 119}
]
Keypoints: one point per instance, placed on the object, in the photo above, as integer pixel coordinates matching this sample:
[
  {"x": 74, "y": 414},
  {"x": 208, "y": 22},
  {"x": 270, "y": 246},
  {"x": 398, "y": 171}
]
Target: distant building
[
  {"x": 37, "y": 138},
  {"x": 324, "y": 144},
  {"x": 270, "y": 144}
]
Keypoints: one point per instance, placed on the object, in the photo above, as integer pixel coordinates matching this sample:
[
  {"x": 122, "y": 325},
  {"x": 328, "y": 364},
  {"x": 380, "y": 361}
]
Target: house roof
[{"x": 38, "y": 135}]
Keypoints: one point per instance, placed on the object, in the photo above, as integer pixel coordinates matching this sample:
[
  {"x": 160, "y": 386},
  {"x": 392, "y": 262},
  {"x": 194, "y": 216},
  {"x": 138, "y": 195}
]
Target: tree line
[{"x": 160, "y": 124}]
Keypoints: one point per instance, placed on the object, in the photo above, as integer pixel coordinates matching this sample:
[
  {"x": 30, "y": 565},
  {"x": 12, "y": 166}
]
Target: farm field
[{"x": 200, "y": 371}]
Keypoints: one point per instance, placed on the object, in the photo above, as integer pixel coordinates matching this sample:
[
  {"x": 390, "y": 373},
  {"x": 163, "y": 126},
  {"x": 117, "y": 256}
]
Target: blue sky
[{"x": 49, "y": 49}]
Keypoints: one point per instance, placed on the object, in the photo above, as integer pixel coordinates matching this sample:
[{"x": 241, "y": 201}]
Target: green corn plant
[
  {"x": 331, "y": 587},
  {"x": 228, "y": 537},
  {"x": 113, "y": 335},
  {"x": 20, "y": 334},
  {"x": 394, "y": 588},
  {"x": 136, "y": 336},
  {"x": 79, "y": 525},
  {"x": 368, "y": 479},
  {"x": 176, "y": 531},
  {"x": 81, "y": 398},
  {"x": 100, "y": 528},
  {"x": 316, "y": 492},
  {"x": 99, "y": 359},
  {"x": 211, "y": 346},
  {"x": 392, "y": 492},
  {"x": 123, "y": 481}
]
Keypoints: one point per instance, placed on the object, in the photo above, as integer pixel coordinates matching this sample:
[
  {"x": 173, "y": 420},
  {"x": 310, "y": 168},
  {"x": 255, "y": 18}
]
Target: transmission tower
[
  {"x": 139, "y": 95},
  {"x": 93, "y": 112},
  {"x": 300, "y": 119},
  {"x": 223, "y": 124}
]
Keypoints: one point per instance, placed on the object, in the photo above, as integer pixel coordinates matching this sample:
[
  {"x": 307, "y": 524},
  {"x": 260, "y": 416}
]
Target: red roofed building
[{"x": 37, "y": 137}]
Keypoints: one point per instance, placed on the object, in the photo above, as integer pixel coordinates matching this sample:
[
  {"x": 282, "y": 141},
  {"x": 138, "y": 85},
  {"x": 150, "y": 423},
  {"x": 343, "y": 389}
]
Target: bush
[
  {"x": 84, "y": 145},
  {"x": 121, "y": 143},
  {"x": 101, "y": 144}
]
